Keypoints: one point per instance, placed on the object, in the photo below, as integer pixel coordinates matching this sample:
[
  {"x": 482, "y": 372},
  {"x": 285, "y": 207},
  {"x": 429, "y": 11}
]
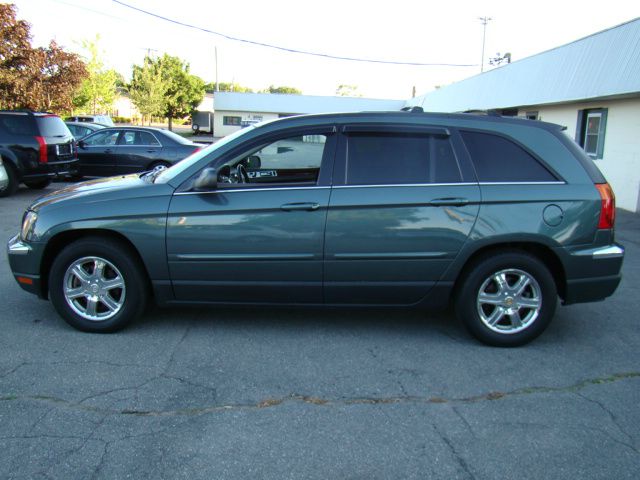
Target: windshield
[{"x": 181, "y": 166}]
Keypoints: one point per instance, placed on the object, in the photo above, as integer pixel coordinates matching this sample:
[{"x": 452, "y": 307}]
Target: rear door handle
[
  {"x": 308, "y": 206},
  {"x": 451, "y": 201}
]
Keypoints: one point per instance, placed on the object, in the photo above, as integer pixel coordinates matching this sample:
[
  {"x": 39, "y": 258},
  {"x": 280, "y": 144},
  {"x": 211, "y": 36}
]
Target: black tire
[
  {"x": 517, "y": 318},
  {"x": 38, "y": 184},
  {"x": 119, "y": 265},
  {"x": 13, "y": 184}
]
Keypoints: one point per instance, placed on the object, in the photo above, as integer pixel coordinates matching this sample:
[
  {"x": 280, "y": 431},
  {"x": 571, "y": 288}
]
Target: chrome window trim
[
  {"x": 253, "y": 190},
  {"x": 467, "y": 184},
  {"x": 549, "y": 182}
]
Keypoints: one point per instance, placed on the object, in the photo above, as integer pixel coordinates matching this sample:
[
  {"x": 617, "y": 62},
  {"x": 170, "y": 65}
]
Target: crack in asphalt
[
  {"x": 273, "y": 402},
  {"x": 461, "y": 461}
]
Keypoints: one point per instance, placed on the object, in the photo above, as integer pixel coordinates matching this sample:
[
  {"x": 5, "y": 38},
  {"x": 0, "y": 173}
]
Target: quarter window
[
  {"x": 498, "y": 159},
  {"x": 228, "y": 120},
  {"x": 396, "y": 159}
]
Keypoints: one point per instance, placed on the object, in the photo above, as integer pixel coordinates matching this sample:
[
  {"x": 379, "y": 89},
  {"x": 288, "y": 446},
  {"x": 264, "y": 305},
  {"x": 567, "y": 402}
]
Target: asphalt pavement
[{"x": 317, "y": 394}]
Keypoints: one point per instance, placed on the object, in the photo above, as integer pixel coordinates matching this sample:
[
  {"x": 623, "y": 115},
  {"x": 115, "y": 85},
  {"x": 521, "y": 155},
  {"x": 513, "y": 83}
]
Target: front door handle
[
  {"x": 450, "y": 201},
  {"x": 308, "y": 206}
]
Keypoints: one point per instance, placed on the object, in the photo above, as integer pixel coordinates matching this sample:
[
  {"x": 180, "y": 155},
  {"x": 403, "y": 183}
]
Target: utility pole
[
  {"x": 484, "y": 21},
  {"x": 216, "y": 54}
]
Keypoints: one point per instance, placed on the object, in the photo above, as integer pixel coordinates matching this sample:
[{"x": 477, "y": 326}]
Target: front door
[
  {"x": 98, "y": 154},
  {"x": 258, "y": 237}
]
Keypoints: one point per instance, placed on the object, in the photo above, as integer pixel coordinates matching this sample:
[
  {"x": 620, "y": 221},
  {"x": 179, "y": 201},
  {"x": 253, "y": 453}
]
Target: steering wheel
[{"x": 241, "y": 174}]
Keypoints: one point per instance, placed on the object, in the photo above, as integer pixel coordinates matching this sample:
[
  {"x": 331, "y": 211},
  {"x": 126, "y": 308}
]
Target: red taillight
[
  {"x": 608, "y": 207},
  {"x": 43, "y": 149}
]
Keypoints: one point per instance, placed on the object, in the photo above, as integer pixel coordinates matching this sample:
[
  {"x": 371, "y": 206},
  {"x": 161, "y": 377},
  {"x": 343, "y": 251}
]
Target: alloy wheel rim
[
  {"x": 94, "y": 288},
  {"x": 509, "y": 301}
]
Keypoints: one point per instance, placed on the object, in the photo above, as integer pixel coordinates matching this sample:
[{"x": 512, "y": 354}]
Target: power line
[{"x": 289, "y": 50}]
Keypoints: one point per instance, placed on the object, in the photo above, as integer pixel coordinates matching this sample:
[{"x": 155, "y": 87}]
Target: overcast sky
[{"x": 394, "y": 30}]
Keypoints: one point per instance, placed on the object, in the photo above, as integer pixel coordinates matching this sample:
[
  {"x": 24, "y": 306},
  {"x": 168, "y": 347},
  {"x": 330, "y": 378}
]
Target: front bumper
[
  {"x": 595, "y": 273},
  {"x": 25, "y": 265}
]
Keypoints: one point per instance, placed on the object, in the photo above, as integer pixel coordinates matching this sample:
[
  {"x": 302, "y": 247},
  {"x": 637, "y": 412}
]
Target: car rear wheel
[
  {"x": 38, "y": 184},
  {"x": 506, "y": 299},
  {"x": 97, "y": 285},
  {"x": 155, "y": 165}
]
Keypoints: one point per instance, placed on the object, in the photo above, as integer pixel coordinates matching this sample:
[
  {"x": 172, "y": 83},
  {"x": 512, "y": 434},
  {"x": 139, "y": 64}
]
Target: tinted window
[
  {"x": 383, "y": 159},
  {"x": 102, "y": 138},
  {"x": 17, "y": 124},
  {"x": 138, "y": 138},
  {"x": 52, "y": 126},
  {"x": 498, "y": 159}
]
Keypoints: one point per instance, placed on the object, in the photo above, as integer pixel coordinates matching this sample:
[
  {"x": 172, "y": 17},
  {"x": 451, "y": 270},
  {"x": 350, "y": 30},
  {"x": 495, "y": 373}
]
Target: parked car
[
  {"x": 100, "y": 119},
  {"x": 4, "y": 178},
  {"x": 498, "y": 216},
  {"x": 35, "y": 147},
  {"x": 80, "y": 130},
  {"x": 123, "y": 150}
]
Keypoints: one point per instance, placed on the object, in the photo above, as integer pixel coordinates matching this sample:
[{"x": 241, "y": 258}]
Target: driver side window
[{"x": 295, "y": 159}]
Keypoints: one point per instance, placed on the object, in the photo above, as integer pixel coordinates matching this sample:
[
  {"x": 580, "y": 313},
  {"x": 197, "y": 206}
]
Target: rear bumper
[
  {"x": 595, "y": 273},
  {"x": 55, "y": 169}
]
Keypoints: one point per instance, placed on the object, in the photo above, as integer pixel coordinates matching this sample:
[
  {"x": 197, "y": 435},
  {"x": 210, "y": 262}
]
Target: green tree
[
  {"x": 183, "y": 91},
  {"x": 147, "y": 88},
  {"x": 98, "y": 92},
  {"x": 348, "y": 91},
  {"x": 227, "y": 87},
  {"x": 289, "y": 90}
]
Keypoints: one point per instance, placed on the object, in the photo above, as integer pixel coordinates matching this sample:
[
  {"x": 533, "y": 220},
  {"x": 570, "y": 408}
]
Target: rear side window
[
  {"x": 52, "y": 126},
  {"x": 17, "y": 124},
  {"x": 396, "y": 159},
  {"x": 498, "y": 159}
]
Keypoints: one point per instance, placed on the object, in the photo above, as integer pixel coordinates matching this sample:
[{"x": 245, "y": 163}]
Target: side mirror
[
  {"x": 207, "y": 180},
  {"x": 81, "y": 144},
  {"x": 253, "y": 162}
]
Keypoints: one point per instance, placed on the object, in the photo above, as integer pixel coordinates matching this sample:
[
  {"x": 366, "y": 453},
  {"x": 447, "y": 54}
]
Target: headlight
[{"x": 28, "y": 225}]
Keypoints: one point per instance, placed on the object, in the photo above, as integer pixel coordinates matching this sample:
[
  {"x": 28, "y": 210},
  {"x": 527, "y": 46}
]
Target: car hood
[{"x": 90, "y": 188}]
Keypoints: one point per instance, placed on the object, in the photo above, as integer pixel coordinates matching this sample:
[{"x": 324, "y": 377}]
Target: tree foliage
[
  {"x": 98, "y": 91},
  {"x": 183, "y": 92},
  {"x": 227, "y": 87},
  {"x": 147, "y": 88},
  {"x": 34, "y": 78},
  {"x": 164, "y": 87},
  {"x": 345, "y": 90},
  {"x": 283, "y": 89}
]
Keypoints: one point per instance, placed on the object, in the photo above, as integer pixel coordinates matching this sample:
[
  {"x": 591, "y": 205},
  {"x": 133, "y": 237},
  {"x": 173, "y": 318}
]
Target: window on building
[
  {"x": 498, "y": 159},
  {"x": 396, "y": 159},
  {"x": 591, "y": 130},
  {"x": 531, "y": 116},
  {"x": 229, "y": 120}
]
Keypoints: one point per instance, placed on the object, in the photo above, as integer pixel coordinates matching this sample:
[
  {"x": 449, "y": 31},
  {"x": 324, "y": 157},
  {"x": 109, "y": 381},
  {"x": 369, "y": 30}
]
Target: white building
[
  {"x": 592, "y": 86},
  {"x": 235, "y": 110}
]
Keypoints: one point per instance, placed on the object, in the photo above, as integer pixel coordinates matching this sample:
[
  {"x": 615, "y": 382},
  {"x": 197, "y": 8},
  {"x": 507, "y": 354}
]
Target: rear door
[
  {"x": 137, "y": 150},
  {"x": 401, "y": 208}
]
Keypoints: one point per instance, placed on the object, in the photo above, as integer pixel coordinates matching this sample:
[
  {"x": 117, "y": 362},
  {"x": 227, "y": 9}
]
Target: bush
[{"x": 121, "y": 120}]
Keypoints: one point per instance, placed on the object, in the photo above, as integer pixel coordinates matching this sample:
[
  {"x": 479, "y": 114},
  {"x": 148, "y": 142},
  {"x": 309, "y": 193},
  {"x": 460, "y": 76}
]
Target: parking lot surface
[{"x": 206, "y": 393}]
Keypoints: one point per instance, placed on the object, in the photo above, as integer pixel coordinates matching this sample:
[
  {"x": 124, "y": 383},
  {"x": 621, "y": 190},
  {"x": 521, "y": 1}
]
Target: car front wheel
[
  {"x": 506, "y": 299},
  {"x": 97, "y": 285}
]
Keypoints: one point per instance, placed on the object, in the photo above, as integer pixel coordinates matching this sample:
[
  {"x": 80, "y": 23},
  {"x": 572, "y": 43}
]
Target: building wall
[
  {"x": 621, "y": 158},
  {"x": 221, "y": 130}
]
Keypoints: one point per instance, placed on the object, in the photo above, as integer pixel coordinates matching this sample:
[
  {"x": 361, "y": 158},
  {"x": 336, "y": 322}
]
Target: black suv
[{"x": 35, "y": 147}]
